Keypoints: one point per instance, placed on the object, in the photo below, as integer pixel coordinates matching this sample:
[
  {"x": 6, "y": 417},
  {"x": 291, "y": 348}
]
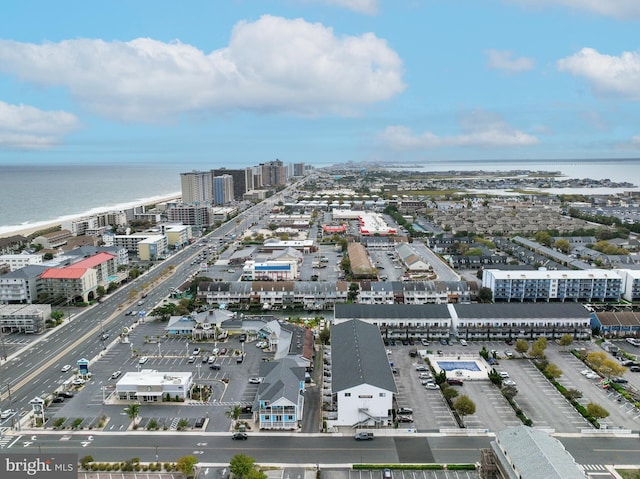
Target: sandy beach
[{"x": 29, "y": 229}]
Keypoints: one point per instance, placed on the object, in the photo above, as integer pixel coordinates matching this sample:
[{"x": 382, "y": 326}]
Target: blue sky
[{"x": 239, "y": 82}]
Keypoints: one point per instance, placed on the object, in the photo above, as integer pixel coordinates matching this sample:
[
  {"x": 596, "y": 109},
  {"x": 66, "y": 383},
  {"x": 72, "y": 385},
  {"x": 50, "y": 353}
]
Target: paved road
[{"x": 301, "y": 449}]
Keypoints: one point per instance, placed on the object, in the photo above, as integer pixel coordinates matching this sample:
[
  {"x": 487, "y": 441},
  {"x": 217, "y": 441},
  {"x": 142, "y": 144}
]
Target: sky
[{"x": 241, "y": 82}]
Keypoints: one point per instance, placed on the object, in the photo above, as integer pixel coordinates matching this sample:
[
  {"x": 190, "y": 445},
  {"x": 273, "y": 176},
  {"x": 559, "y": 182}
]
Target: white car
[
  {"x": 116, "y": 375},
  {"x": 255, "y": 380},
  {"x": 508, "y": 382},
  {"x": 424, "y": 342},
  {"x": 215, "y": 351},
  {"x": 66, "y": 368},
  {"x": 143, "y": 360},
  {"x": 431, "y": 385},
  {"x": 591, "y": 376},
  {"x": 78, "y": 382},
  {"x": 463, "y": 342},
  {"x": 504, "y": 374},
  {"x": 7, "y": 413}
]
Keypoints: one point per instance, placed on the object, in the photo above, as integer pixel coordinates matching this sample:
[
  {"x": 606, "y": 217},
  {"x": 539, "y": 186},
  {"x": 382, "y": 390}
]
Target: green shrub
[{"x": 461, "y": 467}]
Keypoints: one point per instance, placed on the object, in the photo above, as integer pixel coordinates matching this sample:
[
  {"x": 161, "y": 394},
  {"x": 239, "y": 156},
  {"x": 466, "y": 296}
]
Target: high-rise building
[
  {"x": 274, "y": 173},
  {"x": 242, "y": 180},
  {"x": 197, "y": 187},
  {"x": 298, "y": 169},
  {"x": 222, "y": 189}
]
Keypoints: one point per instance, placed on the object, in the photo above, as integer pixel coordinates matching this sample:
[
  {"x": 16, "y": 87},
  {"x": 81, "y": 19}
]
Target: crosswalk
[
  {"x": 221, "y": 403},
  {"x": 594, "y": 467}
]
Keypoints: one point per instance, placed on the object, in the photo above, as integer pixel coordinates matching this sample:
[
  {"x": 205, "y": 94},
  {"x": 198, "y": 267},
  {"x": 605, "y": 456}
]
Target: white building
[
  {"x": 630, "y": 284},
  {"x": 17, "y": 261},
  {"x": 553, "y": 285},
  {"x": 362, "y": 379},
  {"x": 270, "y": 271},
  {"x": 149, "y": 385}
]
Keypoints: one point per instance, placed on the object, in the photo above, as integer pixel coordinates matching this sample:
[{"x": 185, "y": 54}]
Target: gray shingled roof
[
  {"x": 359, "y": 357},
  {"x": 281, "y": 380},
  {"x": 522, "y": 310},
  {"x": 391, "y": 311},
  {"x": 535, "y": 454}
]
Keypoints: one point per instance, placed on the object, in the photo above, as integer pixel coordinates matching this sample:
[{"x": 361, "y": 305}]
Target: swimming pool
[{"x": 454, "y": 365}]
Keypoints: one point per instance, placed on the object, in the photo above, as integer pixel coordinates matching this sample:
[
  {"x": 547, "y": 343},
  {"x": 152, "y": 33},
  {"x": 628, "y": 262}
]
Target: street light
[{"x": 156, "y": 453}]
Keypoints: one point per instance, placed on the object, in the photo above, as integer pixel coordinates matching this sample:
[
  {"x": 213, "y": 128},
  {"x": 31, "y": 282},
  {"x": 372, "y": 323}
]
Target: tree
[
  {"x": 563, "y": 245},
  {"x": 573, "y": 394},
  {"x": 597, "y": 411},
  {"x": 509, "y": 392},
  {"x": 235, "y": 412},
  {"x": 464, "y": 406},
  {"x": 521, "y": 346},
  {"x": 485, "y": 295},
  {"x": 47, "y": 256},
  {"x": 538, "y": 347},
  {"x": 324, "y": 335},
  {"x": 100, "y": 291},
  {"x": 553, "y": 371},
  {"x": 601, "y": 363},
  {"x": 57, "y": 315},
  {"x": 132, "y": 411},
  {"x": 543, "y": 238},
  {"x": 565, "y": 340},
  {"x": 449, "y": 393},
  {"x": 186, "y": 464},
  {"x": 240, "y": 465}
]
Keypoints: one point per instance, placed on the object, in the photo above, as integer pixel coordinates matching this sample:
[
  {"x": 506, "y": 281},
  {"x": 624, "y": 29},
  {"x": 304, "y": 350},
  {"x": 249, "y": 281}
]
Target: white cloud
[
  {"x": 633, "y": 144},
  {"x": 480, "y": 129},
  {"x": 608, "y": 75},
  {"x": 272, "y": 64},
  {"x": 621, "y": 9},
  {"x": 27, "y": 127},
  {"x": 368, "y": 7},
  {"x": 503, "y": 60}
]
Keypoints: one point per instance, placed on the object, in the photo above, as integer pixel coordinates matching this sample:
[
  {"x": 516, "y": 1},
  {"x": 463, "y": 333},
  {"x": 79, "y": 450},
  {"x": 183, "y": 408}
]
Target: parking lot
[
  {"x": 537, "y": 397},
  {"x": 230, "y": 383}
]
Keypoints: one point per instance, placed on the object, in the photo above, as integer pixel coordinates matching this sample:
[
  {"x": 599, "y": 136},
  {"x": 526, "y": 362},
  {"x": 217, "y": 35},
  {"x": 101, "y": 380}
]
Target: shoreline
[{"x": 30, "y": 228}]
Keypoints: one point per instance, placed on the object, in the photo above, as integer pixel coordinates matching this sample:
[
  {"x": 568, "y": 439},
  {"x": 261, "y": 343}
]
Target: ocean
[{"x": 39, "y": 194}]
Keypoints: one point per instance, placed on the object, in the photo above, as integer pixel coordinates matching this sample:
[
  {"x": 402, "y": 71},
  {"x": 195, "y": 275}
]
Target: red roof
[
  {"x": 93, "y": 261},
  {"x": 63, "y": 273}
]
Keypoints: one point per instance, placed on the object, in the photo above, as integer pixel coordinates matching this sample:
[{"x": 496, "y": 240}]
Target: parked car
[
  {"x": 66, "y": 394},
  {"x": 424, "y": 375},
  {"x": 454, "y": 382},
  {"x": 619, "y": 380},
  {"x": 424, "y": 342},
  {"x": 116, "y": 374},
  {"x": 242, "y": 338},
  {"x": 143, "y": 360},
  {"x": 78, "y": 382},
  {"x": 239, "y": 436},
  {"x": 66, "y": 368},
  {"x": 463, "y": 342},
  {"x": 421, "y": 368},
  {"x": 431, "y": 385},
  {"x": 205, "y": 359},
  {"x": 223, "y": 351},
  {"x": 57, "y": 399},
  {"x": 503, "y": 374},
  {"x": 508, "y": 382},
  {"x": 386, "y": 474},
  {"x": 255, "y": 380},
  {"x": 508, "y": 353},
  {"x": 404, "y": 418},
  {"x": 443, "y": 341},
  {"x": 635, "y": 369},
  {"x": 215, "y": 367},
  {"x": 192, "y": 359},
  {"x": 363, "y": 436},
  {"x": 196, "y": 352},
  {"x": 240, "y": 359}
]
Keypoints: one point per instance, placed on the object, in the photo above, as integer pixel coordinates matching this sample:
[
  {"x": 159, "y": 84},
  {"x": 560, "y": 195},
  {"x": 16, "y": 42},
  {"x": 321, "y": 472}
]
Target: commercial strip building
[
  {"x": 151, "y": 386},
  {"x": 270, "y": 271}
]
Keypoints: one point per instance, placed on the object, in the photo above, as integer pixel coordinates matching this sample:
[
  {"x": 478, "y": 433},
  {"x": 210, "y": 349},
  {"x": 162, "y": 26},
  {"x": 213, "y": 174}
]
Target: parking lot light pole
[{"x": 156, "y": 453}]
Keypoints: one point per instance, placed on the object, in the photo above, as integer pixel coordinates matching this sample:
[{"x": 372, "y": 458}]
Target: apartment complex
[{"x": 593, "y": 285}]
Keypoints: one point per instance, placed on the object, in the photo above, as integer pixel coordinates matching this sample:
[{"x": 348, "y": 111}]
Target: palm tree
[
  {"x": 132, "y": 411},
  {"x": 234, "y": 412}
]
